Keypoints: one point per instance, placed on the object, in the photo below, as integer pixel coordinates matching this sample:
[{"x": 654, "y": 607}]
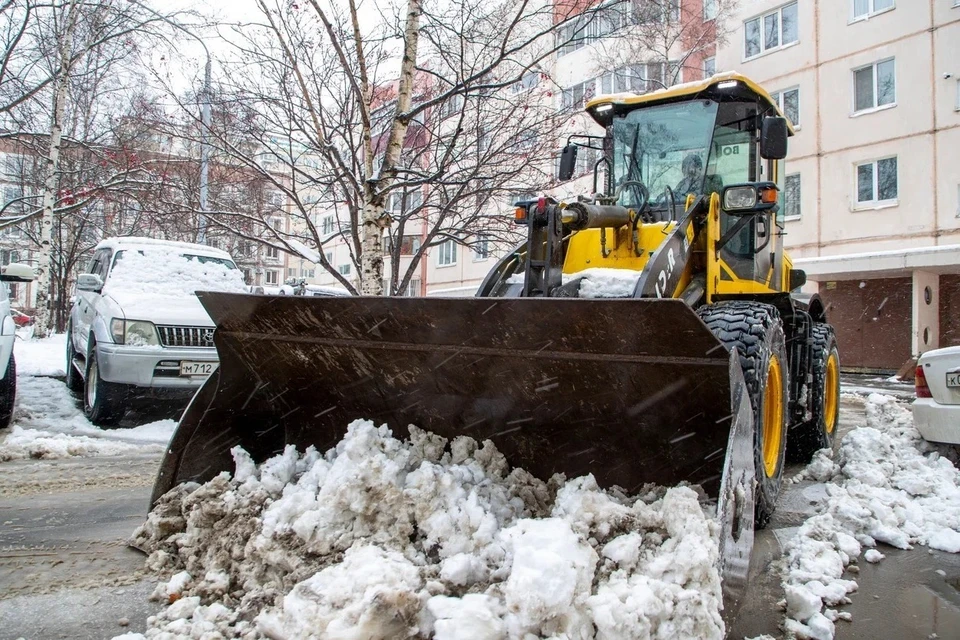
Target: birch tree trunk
[
  {"x": 373, "y": 220},
  {"x": 44, "y": 266}
]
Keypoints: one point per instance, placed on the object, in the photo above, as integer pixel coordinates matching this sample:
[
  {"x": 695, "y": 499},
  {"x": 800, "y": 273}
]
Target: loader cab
[{"x": 667, "y": 147}]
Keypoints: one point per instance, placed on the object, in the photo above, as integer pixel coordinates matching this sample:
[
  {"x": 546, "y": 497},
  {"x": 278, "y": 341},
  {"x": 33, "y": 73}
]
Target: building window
[
  {"x": 789, "y": 102},
  {"x": 709, "y": 9},
  {"x": 447, "y": 254},
  {"x": 308, "y": 273},
  {"x": 519, "y": 196},
  {"x": 9, "y": 255},
  {"x": 344, "y": 269},
  {"x": 594, "y": 25},
  {"x": 246, "y": 276},
  {"x": 326, "y": 225},
  {"x": 877, "y": 181},
  {"x": 770, "y": 31},
  {"x": 578, "y": 95},
  {"x": 875, "y": 85},
  {"x": 639, "y": 78},
  {"x": 409, "y": 245},
  {"x": 481, "y": 248},
  {"x": 328, "y": 256},
  {"x": 399, "y": 202},
  {"x": 865, "y": 8},
  {"x": 273, "y": 252},
  {"x": 292, "y": 273},
  {"x": 270, "y": 276},
  {"x": 709, "y": 66},
  {"x": 452, "y": 105},
  {"x": 275, "y": 199},
  {"x": 791, "y": 196},
  {"x": 528, "y": 81}
]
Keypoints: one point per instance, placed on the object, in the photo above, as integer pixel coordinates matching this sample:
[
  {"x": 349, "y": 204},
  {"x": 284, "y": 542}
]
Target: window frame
[
  {"x": 482, "y": 242},
  {"x": 705, "y": 60},
  {"x": 799, "y": 214},
  {"x": 876, "y": 107},
  {"x": 447, "y": 253},
  {"x": 761, "y": 19},
  {"x": 875, "y": 203},
  {"x": 871, "y": 11},
  {"x": 344, "y": 269},
  {"x": 778, "y": 98},
  {"x": 324, "y": 221},
  {"x": 710, "y": 3},
  {"x": 271, "y": 272}
]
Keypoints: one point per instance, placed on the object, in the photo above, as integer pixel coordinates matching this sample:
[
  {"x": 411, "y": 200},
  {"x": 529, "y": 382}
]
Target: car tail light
[{"x": 920, "y": 384}]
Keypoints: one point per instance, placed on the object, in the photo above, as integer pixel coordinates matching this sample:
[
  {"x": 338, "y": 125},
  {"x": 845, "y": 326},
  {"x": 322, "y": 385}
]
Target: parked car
[
  {"x": 20, "y": 318},
  {"x": 936, "y": 411},
  {"x": 8, "y": 334},
  {"x": 137, "y": 328}
]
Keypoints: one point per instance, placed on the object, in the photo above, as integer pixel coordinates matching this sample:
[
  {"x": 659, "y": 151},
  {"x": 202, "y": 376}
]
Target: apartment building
[{"x": 873, "y": 173}]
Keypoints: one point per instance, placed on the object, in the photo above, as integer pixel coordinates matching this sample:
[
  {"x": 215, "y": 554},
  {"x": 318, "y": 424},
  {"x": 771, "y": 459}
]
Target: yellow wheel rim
[
  {"x": 772, "y": 417},
  {"x": 830, "y": 393}
]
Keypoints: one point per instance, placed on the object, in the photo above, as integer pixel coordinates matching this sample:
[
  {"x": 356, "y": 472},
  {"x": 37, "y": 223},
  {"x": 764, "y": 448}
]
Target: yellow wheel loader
[{"x": 707, "y": 372}]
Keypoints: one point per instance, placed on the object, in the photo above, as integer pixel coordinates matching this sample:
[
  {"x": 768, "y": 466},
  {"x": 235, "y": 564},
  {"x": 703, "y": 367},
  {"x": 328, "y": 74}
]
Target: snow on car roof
[{"x": 138, "y": 242}]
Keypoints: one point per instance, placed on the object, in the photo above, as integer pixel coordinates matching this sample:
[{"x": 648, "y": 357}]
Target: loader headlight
[
  {"x": 136, "y": 333},
  {"x": 737, "y": 198}
]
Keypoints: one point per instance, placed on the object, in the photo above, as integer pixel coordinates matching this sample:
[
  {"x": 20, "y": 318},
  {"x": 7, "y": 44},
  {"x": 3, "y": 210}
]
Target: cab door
[{"x": 87, "y": 300}]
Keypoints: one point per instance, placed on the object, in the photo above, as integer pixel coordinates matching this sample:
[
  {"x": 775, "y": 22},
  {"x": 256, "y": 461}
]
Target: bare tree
[
  {"x": 410, "y": 128},
  {"x": 60, "y": 76}
]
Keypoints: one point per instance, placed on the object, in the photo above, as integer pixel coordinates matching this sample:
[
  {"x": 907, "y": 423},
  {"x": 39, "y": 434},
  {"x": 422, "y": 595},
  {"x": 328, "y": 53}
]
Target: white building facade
[{"x": 873, "y": 174}]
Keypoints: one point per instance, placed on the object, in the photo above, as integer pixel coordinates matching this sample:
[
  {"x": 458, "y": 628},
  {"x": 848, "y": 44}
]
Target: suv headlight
[{"x": 136, "y": 333}]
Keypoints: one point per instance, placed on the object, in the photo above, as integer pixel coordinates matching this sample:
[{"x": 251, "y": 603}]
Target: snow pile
[
  {"x": 605, "y": 283},
  {"x": 889, "y": 486},
  {"x": 42, "y": 356},
  {"x": 47, "y": 423},
  {"x": 156, "y": 271},
  {"x": 383, "y": 538},
  {"x": 30, "y": 443}
]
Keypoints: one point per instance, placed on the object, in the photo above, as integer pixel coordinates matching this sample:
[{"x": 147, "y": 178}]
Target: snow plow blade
[{"x": 633, "y": 391}]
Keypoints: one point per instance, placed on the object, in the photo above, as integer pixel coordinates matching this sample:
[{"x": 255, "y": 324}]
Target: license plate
[
  {"x": 953, "y": 379},
  {"x": 197, "y": 368}
]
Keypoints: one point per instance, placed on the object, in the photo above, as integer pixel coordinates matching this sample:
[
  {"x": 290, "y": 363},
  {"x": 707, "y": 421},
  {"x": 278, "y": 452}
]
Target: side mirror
[
  {"x": 89, "y": 282},
  {"x": 568, "y": 161},
  {"x": 773, "y": 138},
  {"x": 17, "y": 272}
]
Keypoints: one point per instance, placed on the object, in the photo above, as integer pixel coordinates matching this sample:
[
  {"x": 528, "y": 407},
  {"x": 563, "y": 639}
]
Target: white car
[
  {"x": 936, "y": 411},
  {"x": 137, "y": 329},
  {"x": 8, "y": 335}
]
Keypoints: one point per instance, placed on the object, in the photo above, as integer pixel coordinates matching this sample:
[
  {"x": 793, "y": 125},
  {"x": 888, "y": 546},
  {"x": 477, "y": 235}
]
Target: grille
[{"x": 185, "y": 336}]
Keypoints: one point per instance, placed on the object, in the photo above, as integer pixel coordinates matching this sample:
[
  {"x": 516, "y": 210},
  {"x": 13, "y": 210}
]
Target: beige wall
[{"x": 922, "y": 127}]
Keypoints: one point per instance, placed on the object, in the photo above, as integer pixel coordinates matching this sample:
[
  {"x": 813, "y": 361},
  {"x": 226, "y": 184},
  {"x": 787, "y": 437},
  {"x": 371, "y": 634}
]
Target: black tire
[
  {"x": 820, "y": 431},
  {"x": 755, "y": 329},
  {"x": 8, "y": 393},
  {"x": 72, "y": 377},
  {"x": 103, "y": 402}
]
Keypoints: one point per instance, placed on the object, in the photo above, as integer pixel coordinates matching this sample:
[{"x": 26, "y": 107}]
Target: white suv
[
  {"x": 8, "y": 335},
  {"x": 138, "y": 329}
]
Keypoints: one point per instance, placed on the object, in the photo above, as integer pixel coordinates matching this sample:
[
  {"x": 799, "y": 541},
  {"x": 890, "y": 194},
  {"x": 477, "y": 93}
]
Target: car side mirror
[
  {"x": 89, "y": 282},
  {"x": 773, "y": 138},
  {"x": 568, "y": 161},
  {"x": 17, "y": 272}
]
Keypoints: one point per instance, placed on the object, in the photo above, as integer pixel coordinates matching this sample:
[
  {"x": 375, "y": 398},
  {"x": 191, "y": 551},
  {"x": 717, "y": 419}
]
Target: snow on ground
[
  {"x": 887, "y": 485},
  {"x": 48, "y": 423},
  {"x": 383, "y": 538},
  {"x": 41, "y": 357}
]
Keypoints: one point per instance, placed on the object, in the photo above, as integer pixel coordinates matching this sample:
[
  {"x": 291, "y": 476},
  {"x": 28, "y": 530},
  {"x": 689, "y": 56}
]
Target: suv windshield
[
  {"x": 663, "y": 147},
  {"x": 165, "y": 271}
]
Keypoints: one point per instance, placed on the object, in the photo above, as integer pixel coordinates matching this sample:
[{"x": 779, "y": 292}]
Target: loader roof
[{"x": 717, "y": 86}]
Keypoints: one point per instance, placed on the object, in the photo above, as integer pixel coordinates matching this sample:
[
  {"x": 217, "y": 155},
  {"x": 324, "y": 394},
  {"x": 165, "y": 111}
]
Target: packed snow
[
  {"x": 158, "y": 271},
  {"x": 41, "y": 356},
  {"x": 887, "y": 485},
  {"x": 48, "y": 421},
  {"x": 597, "y": 282},
  {"x": 420, "y": 538}
]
